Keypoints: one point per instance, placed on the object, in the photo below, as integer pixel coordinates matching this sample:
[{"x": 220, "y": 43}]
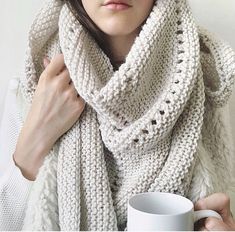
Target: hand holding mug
[
  {"x": 219, "y": 202},
  {"x": 157, "y": 211}
]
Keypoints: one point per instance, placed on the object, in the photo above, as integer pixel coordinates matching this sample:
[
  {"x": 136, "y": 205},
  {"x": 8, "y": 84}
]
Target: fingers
[
  {"x": 219, "y": 202},
  {"x": 55, "y": 66},
  {"x": 76, "y": 94},
  {"x": 210, "y": 224},
  {"x": 68, "y": 82},
  {"x": 65, "y": 76},
  {"x": 214, "y": 224}
]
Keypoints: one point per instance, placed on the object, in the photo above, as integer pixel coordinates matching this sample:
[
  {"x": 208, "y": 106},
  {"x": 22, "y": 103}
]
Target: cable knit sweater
[{"x": 14, "y": 187}]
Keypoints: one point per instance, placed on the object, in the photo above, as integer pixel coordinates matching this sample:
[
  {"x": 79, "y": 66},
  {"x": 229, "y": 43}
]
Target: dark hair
[{"x": 79, "y": 12}]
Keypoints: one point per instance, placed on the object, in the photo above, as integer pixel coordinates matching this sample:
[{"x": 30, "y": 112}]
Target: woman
[{"x": 134, "y": 103}]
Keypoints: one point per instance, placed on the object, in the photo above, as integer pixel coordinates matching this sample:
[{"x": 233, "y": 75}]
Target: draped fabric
[{"x": 141, "y": 124}]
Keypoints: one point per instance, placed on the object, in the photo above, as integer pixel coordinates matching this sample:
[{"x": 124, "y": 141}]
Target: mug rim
[{"x": 130, "y": 204}]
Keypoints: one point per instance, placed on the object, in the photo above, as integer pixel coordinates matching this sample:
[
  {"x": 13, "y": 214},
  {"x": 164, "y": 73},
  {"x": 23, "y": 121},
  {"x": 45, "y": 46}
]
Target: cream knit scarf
[{"x": 141, "y": 124}]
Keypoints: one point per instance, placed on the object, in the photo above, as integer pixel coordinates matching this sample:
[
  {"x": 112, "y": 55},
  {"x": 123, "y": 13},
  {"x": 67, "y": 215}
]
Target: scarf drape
[{"x": 141, "y": 124}]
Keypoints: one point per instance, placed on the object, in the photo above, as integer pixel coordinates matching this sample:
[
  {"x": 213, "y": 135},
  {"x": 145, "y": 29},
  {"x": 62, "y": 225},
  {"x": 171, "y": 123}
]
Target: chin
[
  {"x": 117, "y": 30},
  {"x": 116, "y": 33}
]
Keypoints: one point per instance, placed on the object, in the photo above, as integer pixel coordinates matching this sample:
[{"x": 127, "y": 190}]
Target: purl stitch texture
[{"x": 142, "y": 124}]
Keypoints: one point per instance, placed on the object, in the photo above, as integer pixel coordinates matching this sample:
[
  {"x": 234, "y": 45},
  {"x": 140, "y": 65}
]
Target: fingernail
[{"x": 46, "y": 61}]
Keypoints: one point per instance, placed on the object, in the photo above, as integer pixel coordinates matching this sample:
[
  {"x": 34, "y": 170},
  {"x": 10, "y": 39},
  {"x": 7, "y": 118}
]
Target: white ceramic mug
[{"x": 155, "y": 211}]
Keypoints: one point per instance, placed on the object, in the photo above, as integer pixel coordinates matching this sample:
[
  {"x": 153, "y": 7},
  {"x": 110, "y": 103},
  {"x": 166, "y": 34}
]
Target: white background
[{"x": 16, "y": 16}]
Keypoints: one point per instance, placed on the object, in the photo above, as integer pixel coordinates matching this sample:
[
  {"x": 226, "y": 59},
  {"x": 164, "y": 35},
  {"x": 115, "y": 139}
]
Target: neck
[{"x": 119, "y": 46}]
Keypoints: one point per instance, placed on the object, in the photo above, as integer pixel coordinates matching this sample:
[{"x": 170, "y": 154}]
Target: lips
[{"x": 117, "y": 3}]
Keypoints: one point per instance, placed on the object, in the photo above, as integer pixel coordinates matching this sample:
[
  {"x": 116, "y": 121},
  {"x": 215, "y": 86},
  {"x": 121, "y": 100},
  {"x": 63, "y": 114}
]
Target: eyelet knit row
[{"x": 140, "y": 128}]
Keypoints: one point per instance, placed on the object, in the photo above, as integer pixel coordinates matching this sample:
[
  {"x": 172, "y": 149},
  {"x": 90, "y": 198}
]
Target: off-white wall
[
  {"x": 15, "y": 20},
  {"x": 16, "y": 17}
]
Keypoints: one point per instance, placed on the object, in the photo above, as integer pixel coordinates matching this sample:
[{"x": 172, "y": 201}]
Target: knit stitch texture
[{"x": 142, "y": 124}]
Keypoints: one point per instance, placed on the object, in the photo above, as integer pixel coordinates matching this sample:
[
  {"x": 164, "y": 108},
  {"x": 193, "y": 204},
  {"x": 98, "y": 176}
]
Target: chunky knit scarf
[{"x": 142, "y": 123}]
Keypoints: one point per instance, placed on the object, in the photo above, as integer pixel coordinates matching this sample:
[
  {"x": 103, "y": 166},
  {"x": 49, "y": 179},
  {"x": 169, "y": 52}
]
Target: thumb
[{"x": 46, "y": 62}]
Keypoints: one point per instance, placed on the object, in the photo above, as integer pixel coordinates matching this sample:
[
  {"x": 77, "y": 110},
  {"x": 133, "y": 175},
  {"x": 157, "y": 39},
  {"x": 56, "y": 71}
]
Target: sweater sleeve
[{"x": 14, "y": 187}]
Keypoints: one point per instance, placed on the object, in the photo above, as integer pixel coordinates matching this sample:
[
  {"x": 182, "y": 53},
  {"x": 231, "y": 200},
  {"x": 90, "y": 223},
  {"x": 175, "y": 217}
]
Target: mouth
[{"x": 116, "y": 5}]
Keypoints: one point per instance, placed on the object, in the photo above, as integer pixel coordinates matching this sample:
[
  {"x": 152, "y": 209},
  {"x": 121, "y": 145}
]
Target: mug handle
[{"x": 199, "y": 214}]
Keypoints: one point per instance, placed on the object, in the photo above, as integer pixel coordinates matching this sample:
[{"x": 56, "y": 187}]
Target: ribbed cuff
[{"x": 14, "y": 193}]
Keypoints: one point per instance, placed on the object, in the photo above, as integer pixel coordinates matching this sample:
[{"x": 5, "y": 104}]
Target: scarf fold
[{"x": 141, "y": 124}]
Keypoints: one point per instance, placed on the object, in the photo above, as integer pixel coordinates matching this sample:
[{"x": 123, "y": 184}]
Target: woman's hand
[
  {"x": 220, "y": 203},
  {"x": 55, "y": 108}
]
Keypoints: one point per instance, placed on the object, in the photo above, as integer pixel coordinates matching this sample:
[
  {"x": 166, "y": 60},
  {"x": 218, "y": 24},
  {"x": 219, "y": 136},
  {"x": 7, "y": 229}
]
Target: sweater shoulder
[
  {"x": 14, "y": 88},
  {"x": 217, "y": 58}
]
